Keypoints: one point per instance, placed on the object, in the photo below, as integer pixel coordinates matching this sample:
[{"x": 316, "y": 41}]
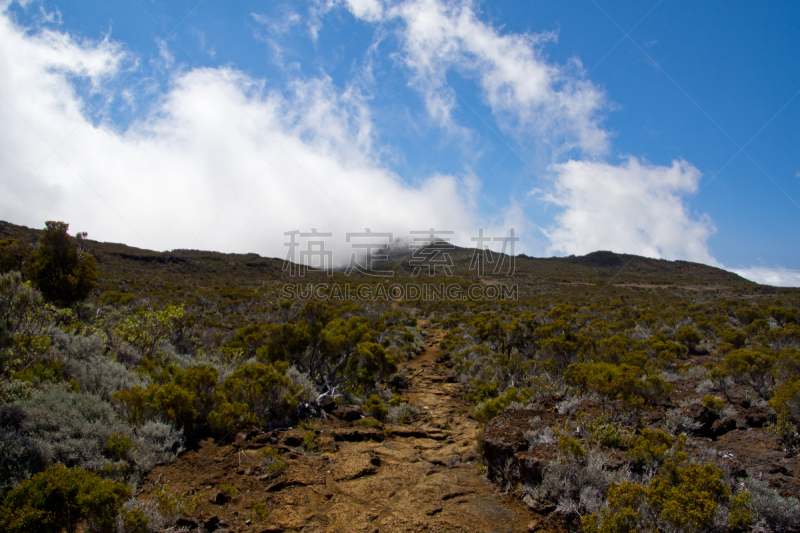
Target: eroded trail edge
[{"x": 417, "y": 477}]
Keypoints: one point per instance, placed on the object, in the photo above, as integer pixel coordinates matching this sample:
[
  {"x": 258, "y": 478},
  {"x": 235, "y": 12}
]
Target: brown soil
[{"x": 418, "y": 477}]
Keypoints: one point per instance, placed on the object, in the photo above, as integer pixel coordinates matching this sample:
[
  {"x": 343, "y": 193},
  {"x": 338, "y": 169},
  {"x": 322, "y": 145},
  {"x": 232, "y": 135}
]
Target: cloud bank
[{"x": 220, "y": 163}]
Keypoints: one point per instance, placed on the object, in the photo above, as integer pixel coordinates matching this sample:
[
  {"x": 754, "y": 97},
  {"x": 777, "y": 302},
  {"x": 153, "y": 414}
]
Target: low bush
[
  {"x": 375, "y": 408},
  {"x": 63, "y": 498}
]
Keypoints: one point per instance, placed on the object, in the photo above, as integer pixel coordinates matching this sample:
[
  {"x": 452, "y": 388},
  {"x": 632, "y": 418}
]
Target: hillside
[
  {"x": 200, "y": 395},
  {"x": 138, "y": 270}
]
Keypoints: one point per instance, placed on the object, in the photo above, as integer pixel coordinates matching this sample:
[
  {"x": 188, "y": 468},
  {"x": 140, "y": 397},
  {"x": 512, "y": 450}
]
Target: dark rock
[
  {"x": 356, "y": 434},
  {"x": 212, "y": 524},
  {"x": 532, "y": 467},
  {"x": 186, "y": 523},
  {"x": 348, "y": 413},
  {"x": 759, "y": 417},
  {"x": 329, "y": 406},
  {"x": 292, "y": 438},
  {"x": 415, "y": 432},
  {"x": 720, "y": 427},
  {"x": 704, "y": 416},
  {"x": 399, "y": 381},
  {"x": 219, "y": 498}
]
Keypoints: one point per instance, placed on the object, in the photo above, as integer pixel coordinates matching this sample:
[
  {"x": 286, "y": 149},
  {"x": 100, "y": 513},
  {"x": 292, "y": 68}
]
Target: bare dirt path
[{"x": 420, "y": 477}]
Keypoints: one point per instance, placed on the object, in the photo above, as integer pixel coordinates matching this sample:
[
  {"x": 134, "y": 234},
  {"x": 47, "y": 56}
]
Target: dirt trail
[{"x": 420, "y": 477}]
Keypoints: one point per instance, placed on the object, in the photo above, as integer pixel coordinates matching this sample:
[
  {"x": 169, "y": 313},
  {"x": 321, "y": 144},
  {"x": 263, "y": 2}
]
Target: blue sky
[{"x": 667, "y": 129}]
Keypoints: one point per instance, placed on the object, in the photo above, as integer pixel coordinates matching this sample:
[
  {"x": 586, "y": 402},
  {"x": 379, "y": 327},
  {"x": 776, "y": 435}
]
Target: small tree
[{"x": 60, "y": 267}]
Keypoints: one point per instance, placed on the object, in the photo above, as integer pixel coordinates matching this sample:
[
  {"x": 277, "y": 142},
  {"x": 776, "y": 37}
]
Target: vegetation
[{"x": 135, "y": 355}]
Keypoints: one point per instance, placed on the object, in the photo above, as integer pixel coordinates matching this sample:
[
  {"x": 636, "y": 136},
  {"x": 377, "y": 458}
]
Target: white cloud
[
  {"x": 371, "y": 10},
  {"x": 526, "y": 93},
  {"x": 170, "y": 175},
  {"x": 779, "y": 277},
  {"x": 633, "y": 208}
]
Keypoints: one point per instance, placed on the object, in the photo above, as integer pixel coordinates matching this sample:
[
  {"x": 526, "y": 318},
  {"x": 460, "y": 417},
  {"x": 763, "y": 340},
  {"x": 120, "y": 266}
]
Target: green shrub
[
  {"x": 683, "y": 496},
  {"x": 750, "y": 367},
  {"x": 606, "y": 432},
  {"x": 233, "y": 490},
  {"x": 260, "y": 511},
  {"x": 375, "y": 407},
  {"x": 254, "y": 393},
  {"x": 118, "y": 446},
  {"x": 571, "y": 447},
  {"x": 654, "y": 447},
  {"x": 490, "y": 408},
  {"x": 689, "y": 336},
  {"x": 170, "y": 504},
  {"x": 713, "y": 403},
  {"x": 369, "y": 423},
  {"x": 134, "y": 521},
  {"x": 63, "y": 498},
  {"x": 310, "y": 442},
  {"x": 271, "y": 459}
]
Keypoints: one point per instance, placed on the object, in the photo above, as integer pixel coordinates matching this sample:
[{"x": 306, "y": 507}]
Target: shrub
[
  {"x": 681, "y": 497},
  {"x": 118, "y": 446},
  {"x": 20, "y": 457},
  {"x": 254, "y": 393},
  {"x": 606, "y": 433},
  {"x": 157, "y": 443},
  {"x": 82, "y": 360},
  {"x": 375, "y": 407},
  {"x": 233, "y": 490},
  {"x": 751, "y": 367},
  {"x": 490, "y": 408},
  {"x": 686, "y": 496},
  {"x": 770, "y": 508},
  {"x": 63, "y": 498},
  {"x": 571, "y": 447},
  {"x": 271, "y": 459},
  {"x": 574, "y": 485},
  {"x": 310, "y": 442},
  {"x": 23, "y": 318},
  {"x": 369, "y": 423},
  {"x": 168, "y": 401},
  {"x": 653, "y": 447},
  {"x": 144, "y": 517},
  {"x": 405, "y": 413},
  {"x": 134, "y": 521},
  {"x": 786, "y": 401},
  {"x": 74, "y": 427},
  {"x": 713, "y": 403},
  {"x": 689, "y": 336},
  {"x": 169, "y": 504},
  {"x": 260, "y": 511}
]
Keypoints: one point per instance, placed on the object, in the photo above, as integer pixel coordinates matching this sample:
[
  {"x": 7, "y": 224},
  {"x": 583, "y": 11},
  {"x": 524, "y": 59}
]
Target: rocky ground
[{"x": 419, "y": 477}]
